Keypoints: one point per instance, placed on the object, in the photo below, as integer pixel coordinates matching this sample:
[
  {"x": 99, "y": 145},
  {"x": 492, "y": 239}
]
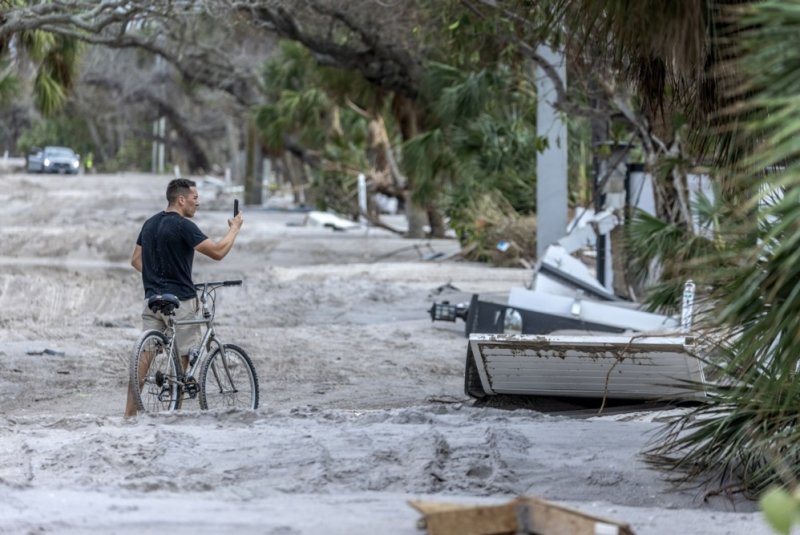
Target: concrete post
[
  {"x": 362, "y": 198},
  {"x": 551, "y": 165}
]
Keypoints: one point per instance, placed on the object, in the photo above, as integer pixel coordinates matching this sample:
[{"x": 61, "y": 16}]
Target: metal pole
[{"x": 162, "y": 127}]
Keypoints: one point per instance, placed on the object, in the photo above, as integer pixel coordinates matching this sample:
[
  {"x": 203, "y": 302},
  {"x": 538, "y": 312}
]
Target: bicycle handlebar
[{"x": 204, "y": 285}]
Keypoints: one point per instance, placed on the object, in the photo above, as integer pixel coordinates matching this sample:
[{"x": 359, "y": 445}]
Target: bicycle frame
[{"x": 209, "y": 338}]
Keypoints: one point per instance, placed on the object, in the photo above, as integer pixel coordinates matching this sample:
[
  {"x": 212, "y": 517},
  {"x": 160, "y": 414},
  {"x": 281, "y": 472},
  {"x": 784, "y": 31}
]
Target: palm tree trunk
[
  {"x": 407, "y": 116},
  {"x": 293, "y": 171},
  {"x": 252, "y": 179},
  {"x": 233, "y": 147},
  {"x": 436, "y": 221},
  {"x": 619, "y": 263},
  {"x": 416, "y": 216}
]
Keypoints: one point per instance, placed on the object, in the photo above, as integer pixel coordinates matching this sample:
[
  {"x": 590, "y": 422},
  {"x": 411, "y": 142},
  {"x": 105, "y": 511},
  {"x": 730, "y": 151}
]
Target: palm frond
[
  {"x": 748, "y": 433},
  {"x": 49, "y": 93},
  {"x": 9, "y": 88}
]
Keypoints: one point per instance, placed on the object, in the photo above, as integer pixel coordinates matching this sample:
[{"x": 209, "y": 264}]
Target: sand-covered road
[{"x": 362, "y": 403}]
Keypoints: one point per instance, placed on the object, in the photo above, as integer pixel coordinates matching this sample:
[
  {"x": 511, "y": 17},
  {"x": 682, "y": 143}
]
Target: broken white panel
[
  {"x": 586, "y": 229},
  {"x": 598, "y": 366},
  {"x": 589, "y": 311},
  {"x": 642, "y": 194},
  {"x": 326, "y": 219},
  {"x": 385, "y": 204},
  {"x": 581, "y": 214},
  {"x": 217, "y": 186},
  {"x": 558, "y": 257}
]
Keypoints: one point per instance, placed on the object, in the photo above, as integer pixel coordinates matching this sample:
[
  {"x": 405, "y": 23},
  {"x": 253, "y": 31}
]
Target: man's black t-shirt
[{"x": 168, "y": 241}]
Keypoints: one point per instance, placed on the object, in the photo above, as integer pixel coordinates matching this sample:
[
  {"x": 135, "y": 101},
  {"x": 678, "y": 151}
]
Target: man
[{"x": 164, "y": 254}]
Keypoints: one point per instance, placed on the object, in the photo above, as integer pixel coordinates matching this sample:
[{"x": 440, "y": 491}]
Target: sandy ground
[{"x": 362, "y": 403}]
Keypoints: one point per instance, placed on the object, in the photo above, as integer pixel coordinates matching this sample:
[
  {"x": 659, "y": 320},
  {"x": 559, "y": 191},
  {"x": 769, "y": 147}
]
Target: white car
[{"x": 54, "y": 160}]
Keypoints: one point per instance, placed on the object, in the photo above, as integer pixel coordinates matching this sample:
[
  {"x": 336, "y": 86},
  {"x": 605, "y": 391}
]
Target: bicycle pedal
[{"x": 191, "y": 388}]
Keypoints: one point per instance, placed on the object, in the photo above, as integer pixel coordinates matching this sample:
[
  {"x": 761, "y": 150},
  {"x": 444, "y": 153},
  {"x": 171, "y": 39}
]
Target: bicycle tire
[
  {"x": 158, "y": 389},
  {"x": 228, "y": 380}
]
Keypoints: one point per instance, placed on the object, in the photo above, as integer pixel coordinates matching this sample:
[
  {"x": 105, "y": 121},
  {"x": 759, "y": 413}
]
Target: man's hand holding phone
[{"x": 237, "y": 219}]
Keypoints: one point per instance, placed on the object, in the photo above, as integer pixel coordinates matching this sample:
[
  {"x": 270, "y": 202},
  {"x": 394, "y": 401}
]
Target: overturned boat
[
  {"x": 630, "y": 366},
  {"x": 650, "y": 357}
]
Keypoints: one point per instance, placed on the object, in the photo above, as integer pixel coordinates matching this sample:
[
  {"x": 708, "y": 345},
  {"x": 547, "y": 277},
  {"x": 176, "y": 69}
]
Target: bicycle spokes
[{"x": 229, "y": 380}]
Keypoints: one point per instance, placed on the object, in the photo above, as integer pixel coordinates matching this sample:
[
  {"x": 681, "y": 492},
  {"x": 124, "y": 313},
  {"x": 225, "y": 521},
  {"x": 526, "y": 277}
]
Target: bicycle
[{"x": 226, "y": 377}]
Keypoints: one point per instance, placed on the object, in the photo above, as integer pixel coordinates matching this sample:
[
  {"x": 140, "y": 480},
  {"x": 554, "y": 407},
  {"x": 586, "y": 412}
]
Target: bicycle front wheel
[
  {"x": 228, "y": 380},
  {"x": 153, "y": 374}
]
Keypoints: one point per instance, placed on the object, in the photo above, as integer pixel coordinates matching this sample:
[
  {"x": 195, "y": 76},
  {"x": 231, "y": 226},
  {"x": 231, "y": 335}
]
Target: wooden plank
[
  {"x": 525, "y": 515},
  {"x": 540, "y": 517},
  {"x": 459, "y": 519}
]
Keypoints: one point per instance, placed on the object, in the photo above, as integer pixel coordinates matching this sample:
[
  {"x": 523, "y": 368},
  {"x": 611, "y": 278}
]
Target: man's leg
[
  {"x": 188, "y": 335},
  {"x": 131, "y": 407},
  {"x": 150, "y": 320}
]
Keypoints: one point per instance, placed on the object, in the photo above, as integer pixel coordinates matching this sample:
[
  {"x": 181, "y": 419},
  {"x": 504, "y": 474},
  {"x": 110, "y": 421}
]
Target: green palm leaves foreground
[
  {"x": 747, "y": 437},
  {"x": 56, "y": 60}
]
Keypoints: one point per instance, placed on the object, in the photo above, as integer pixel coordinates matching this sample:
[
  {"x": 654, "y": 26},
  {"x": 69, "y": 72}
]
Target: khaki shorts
[{"x": 186, "y": 335}]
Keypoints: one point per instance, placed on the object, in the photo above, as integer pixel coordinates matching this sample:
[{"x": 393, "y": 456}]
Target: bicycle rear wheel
[
  {"x": 153, "y": 374},
  {"x": 228, "y": 380}
]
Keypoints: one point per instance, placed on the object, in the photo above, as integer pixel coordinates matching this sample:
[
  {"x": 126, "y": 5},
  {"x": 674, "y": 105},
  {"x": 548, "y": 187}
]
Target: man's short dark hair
[{"x": 178, "y": 187}]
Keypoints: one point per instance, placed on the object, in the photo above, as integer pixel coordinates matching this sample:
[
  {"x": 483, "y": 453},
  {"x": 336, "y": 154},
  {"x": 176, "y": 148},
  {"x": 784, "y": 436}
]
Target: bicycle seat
[{"x": 164, "y": 303}]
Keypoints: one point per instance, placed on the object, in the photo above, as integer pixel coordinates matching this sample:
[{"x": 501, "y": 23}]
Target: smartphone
[{"x": 235, "y": 207}]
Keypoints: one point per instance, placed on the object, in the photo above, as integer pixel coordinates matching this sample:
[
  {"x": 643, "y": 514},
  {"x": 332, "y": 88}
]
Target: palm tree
[
  {"x": 310, "y": 110},
  {"x": 748, "y": 433}
]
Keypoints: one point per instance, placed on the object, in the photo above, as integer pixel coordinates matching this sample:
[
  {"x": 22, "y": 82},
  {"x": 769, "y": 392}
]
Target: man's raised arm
[{"x": 219, "y": 249}]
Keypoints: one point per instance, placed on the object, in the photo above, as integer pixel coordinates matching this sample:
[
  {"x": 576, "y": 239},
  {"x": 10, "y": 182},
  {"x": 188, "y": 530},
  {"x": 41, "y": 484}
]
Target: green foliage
[
  {"x": 134, "y": 155},
  {"x": 9, "y": 88},
  {"x": 671, "y": 253},
  {"x": 295, "y": 112},
  {"x": 64, "y": 129},
  {"x": 306, "y": 107},
  {"x": 50, "y": 95},
  {"x": 471, "y": 40},
  {"x": 480, "y": 97},
  {"x": 579, "y": 170},
  {"x": 747, "y": 434},
  {"x": 481, "y": 141},
  {"x": 781, "y": 509},
  {"x": 57, "y": 61},
  {"x": 491, "y": 219},
  {"x": 289, "y": 69}
]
